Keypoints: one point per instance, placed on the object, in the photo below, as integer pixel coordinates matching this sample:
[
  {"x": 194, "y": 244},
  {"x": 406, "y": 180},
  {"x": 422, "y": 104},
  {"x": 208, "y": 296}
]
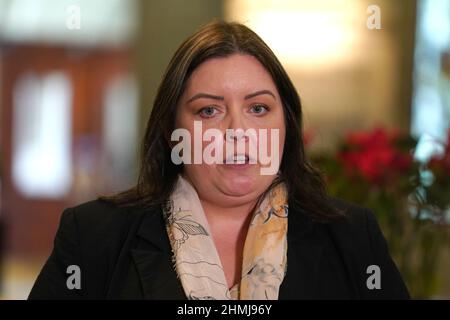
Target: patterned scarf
[{"x": 197, "y": 262}]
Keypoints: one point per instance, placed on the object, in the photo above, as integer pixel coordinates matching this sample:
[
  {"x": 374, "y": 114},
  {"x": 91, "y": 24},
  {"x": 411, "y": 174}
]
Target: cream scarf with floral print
[{"x": 197, "y": 262}]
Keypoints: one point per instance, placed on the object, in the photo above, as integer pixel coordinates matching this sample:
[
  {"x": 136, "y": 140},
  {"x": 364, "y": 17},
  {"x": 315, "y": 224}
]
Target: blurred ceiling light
[
  {"x": 307, "y": 33},
  {"x": 110, "y": 22}
]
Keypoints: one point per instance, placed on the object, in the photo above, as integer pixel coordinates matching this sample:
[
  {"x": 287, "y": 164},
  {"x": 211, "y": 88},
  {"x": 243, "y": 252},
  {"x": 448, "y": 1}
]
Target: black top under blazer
[{"x": 125, "y": 253}]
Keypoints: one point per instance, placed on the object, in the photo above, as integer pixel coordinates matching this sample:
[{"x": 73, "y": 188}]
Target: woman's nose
[
  {"x": 236, "y": 128},
  {"x": 235, "y": 135}
]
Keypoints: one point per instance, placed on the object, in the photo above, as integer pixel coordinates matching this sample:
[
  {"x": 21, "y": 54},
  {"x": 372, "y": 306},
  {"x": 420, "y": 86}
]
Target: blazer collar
[
  {"x": 153, "y": 259},
  {"x": 304, "y": 255}
]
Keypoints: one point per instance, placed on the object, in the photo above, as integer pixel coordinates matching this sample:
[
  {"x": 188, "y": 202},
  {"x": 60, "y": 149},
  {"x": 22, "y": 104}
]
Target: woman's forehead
[{"x": 235, "y": 74}]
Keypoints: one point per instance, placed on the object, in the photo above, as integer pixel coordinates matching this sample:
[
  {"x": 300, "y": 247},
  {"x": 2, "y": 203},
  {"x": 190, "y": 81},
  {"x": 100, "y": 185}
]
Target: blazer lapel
[
  {"x": 303, "y": 258},
  {"x": 152, "y": 257}
]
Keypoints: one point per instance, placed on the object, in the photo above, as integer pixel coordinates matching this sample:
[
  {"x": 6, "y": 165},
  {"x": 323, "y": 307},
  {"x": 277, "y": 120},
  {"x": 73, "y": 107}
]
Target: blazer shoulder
[
  {"x": 350, "y": 233},
  {"x": 355, "y": 229},
  {"x": 97, "y": 208},
  {"x": 355, "y": 215},
  {"x": 101, "y": 211},
  {"x": 99, "y": 220},
  {"x": 358, "y": 235}
]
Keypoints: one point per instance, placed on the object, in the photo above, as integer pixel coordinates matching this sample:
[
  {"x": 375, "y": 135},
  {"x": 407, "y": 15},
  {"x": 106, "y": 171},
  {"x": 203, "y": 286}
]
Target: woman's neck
[
  {"x": 229, "y": 227},
  {"x": 233, "y": 215}
]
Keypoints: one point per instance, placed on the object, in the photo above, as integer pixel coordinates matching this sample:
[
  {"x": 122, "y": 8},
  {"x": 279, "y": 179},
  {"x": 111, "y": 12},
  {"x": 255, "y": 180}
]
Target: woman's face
[{"x": 235, "y": 92}]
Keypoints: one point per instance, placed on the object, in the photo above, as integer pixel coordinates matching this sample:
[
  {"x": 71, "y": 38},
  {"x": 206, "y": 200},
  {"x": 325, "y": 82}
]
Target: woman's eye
[
  {"x": 207, "y": 112},
  {"x": 259, "y": 109}
]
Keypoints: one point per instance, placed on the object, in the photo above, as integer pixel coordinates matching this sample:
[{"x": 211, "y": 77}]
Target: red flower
[{"x": 373, "y": 155}]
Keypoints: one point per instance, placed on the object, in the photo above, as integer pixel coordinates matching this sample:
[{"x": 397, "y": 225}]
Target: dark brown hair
[{"x": 158, "y": 174}]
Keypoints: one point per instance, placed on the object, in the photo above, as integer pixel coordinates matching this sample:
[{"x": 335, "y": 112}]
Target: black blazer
[{"x": 124, "y": 253}]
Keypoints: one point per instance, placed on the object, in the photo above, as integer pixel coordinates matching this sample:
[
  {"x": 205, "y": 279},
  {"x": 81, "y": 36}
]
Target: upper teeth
[{"x": 237, "y": 158}]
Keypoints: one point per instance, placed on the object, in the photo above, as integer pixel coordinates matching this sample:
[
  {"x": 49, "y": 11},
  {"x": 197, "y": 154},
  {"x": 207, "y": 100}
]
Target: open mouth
[{"x": 237, "y": 159}]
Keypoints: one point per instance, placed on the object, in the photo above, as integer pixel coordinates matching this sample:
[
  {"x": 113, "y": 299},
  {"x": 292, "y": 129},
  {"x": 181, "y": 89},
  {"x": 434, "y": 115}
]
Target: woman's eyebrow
[
  {"x": 257, "y": 93},
  {"x": 205, "y": 95},
  {"x": 212, "y": 96}
]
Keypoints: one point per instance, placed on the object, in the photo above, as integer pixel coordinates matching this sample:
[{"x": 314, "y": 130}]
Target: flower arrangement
[{"x": 411, "y": 199}]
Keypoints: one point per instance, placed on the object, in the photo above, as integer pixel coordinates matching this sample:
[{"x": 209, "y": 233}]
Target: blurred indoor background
[{"x": 78, "y": 77}]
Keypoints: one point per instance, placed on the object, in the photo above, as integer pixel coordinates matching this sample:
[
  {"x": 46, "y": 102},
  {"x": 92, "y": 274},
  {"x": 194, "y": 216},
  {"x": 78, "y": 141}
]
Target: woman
[{"x": 240, "y": 227}]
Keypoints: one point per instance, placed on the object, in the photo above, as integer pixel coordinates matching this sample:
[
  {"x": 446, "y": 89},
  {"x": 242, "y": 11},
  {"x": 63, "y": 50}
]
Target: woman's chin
[{"x": 239, "y": 185}]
